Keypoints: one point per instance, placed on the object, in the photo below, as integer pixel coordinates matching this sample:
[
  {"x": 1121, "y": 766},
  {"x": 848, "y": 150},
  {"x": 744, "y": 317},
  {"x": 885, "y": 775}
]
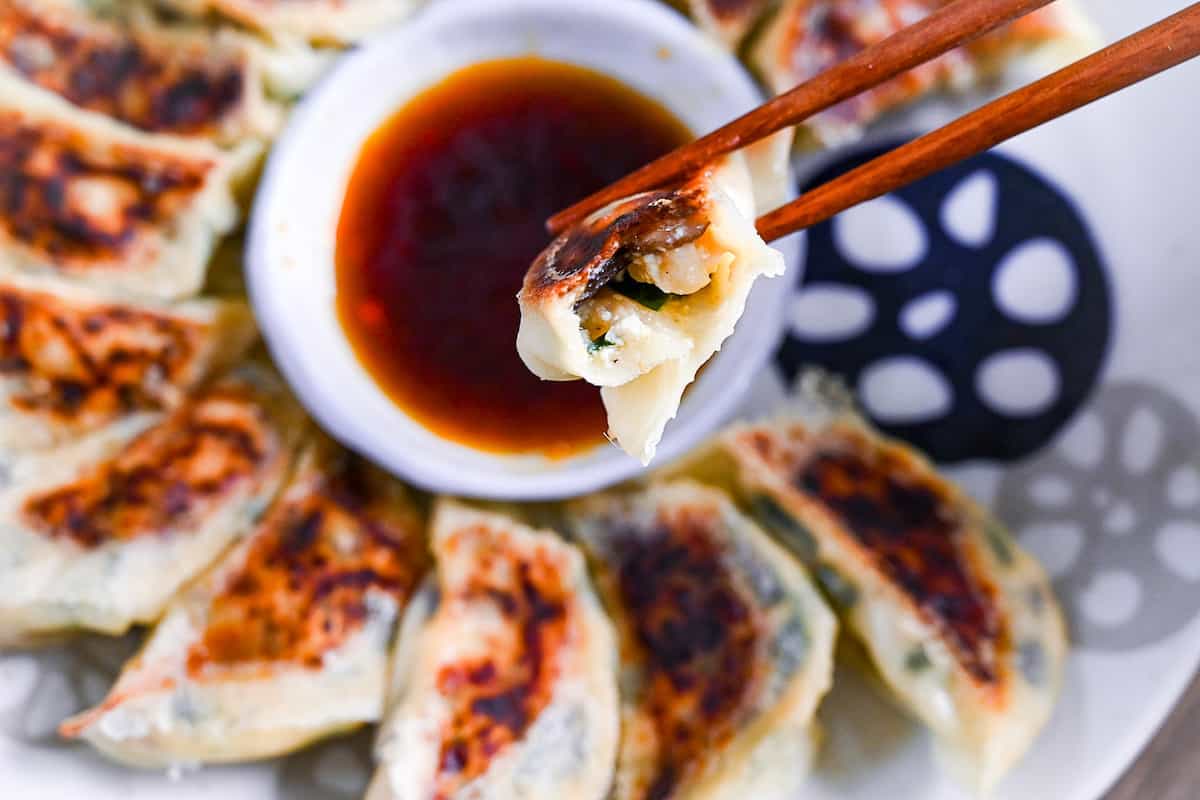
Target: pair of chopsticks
[{"x": 1148, "y": 52}]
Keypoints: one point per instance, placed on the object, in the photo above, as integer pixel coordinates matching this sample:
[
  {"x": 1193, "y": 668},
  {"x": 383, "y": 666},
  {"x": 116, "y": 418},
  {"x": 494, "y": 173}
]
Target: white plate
[{"x": 1111, "y": 501}]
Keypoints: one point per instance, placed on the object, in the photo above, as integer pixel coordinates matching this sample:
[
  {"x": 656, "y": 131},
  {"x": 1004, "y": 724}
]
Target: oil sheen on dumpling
[
  {"x": 72, "y": 361},
  {"x": 961, "y": 624},
  {"x": 100, "y": 533},
  {"x": 330, "y": 21},
  {"x": 726, "y": 645},
  {"x": 638, "y": 296},
  {"x": 509, "y": 686},
  {"x": 286, "y": 640},
  {"x": 146, "y": 76},
  {"x": 94, "y": 201},
  {"x": 807, "y": 37}
]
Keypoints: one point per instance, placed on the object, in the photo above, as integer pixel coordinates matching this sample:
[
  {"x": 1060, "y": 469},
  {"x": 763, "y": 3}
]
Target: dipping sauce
[{"x": 444, "y": 214}]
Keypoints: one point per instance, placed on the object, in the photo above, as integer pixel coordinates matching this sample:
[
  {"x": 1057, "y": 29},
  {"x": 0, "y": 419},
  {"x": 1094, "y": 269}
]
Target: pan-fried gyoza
[
  {"x": 99, "y": 534},
  {"x": 186, "y": 83},
  {"x": 72, "y": 361},
  {"x": 961, "y": 624},
  {"x": 506, "y": 688},
  {"x": 93, "y": 201},
  {"x": 286, "y": 640},
  {"x": 806, "y": 37},
  {"x": 726, "y": 645},
  {"x": 637, "y": 297}
]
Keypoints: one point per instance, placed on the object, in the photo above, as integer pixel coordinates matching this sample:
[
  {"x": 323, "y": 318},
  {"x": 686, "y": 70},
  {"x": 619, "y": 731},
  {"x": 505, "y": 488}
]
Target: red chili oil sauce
[{"x": 443, "y": 215}]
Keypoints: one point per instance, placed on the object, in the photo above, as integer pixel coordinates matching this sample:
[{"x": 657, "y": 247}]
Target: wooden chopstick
[
  {"x": 1146, "y": 53},
  {"x": 938, "y": 33}
]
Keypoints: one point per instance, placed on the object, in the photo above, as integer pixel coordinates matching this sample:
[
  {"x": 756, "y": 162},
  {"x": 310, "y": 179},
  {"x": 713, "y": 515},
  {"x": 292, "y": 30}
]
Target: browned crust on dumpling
[
  {"x": 695, "y": 630},
  {"x": 167, "y": 87},
  {"x": 904, "y": 522},
  {"x": 301, "y": 591},
  {"x": 86, "y": 364},
  {"x": 83, "y": 205},
  {"x": 170, "y": 476},
  {"x": 496, "y": 698},
  {"x": 590, "y": 254},
  {"x": 809, "y": 36},
  {"x": 814, "y": 36}
]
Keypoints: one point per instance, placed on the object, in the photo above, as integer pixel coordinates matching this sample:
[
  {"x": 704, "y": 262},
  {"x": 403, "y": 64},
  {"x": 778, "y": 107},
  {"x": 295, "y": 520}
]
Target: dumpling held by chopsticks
[{"x": 639, "y": 295}]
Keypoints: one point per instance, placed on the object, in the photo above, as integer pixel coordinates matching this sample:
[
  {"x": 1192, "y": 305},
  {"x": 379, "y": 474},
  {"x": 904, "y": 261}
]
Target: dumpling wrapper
[
  {"x": 507, "y": 688},
  {"x": 95, "y": 202},
  {"x": 99, "y": 534},
  {"x": 291, "y": 65},
  {"x": 961, "y": 623},
  {"x": 325, "y": 21},
  {"x": 286, "y": 640},
  {"x": 637, "y": 297},
  {"x": 729, "y": 21},
  {"x": 73, "y": 361},
  {"x": 726, "y": 645},
  {"x": 155, "y": 79},
  {"x": 806, "y": 37}
]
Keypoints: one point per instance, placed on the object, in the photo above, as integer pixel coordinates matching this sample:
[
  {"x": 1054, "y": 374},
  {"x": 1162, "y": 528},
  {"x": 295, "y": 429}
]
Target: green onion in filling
[
  {"x": 599, "y": 343},
  {"x": 646, "y": 294}
]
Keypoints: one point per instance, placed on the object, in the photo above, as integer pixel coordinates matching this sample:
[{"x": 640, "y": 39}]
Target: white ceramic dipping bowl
[{"x": 290, "y": 249}]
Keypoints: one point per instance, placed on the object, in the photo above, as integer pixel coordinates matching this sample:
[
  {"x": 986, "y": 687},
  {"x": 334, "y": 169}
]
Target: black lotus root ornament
[{"x": 970, "y": 310}]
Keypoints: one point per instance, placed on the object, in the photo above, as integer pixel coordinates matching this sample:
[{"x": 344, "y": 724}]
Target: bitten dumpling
[
  {"x": 961, "y": 623},
  {"x": 186, "y": 83},
  {"x": 726, "y": 645},
  {"x": 327, "y": 21},
  {"x": 99, "y": 534},
  {"x": 286, "y": 640},
  {"x": 508, "y": 688},
  {"x": 96, "y": 202},
  {"x": 72, "y": 361},
  {"x": 806, "y": 37},
  {"x": 638, "y": 296}
]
